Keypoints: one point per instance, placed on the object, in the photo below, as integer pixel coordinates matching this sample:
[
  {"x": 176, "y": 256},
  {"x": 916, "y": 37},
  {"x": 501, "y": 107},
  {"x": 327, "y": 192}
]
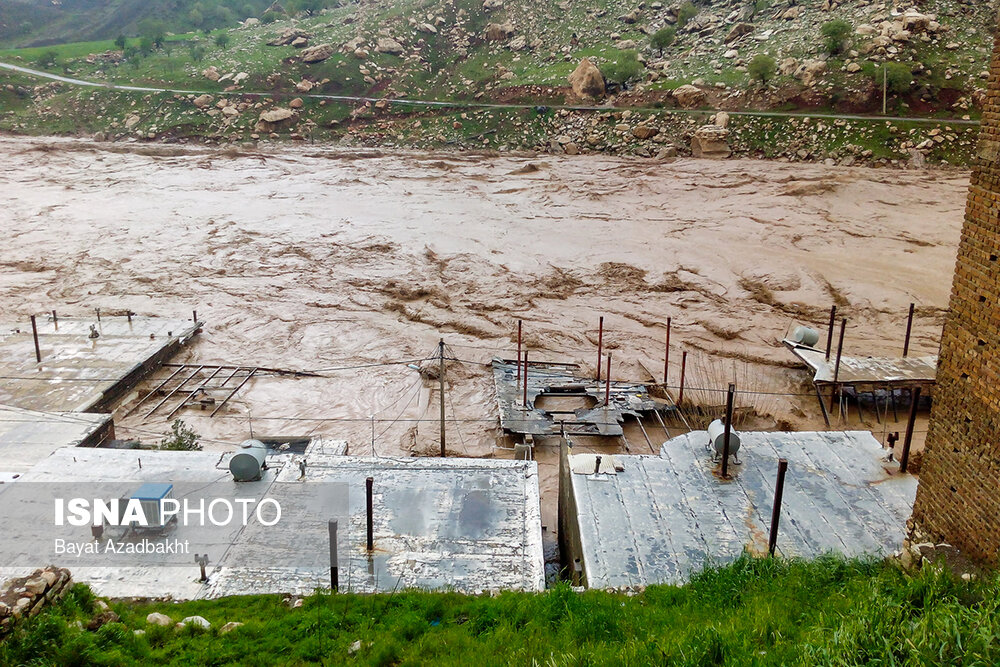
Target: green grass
[{"x": 754, "y": 612}]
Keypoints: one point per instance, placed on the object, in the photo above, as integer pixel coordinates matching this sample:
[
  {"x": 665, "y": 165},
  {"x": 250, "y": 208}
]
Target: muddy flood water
[{"x": 350, "y": 262}]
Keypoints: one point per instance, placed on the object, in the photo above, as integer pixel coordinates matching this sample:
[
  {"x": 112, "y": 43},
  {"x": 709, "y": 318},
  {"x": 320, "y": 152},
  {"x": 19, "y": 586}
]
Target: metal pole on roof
[
  {"x": 666, "y": 355},
  {"x": 836, "y": 367},
  {"x": 600, "y": 346},
  {"x": 779, "y": 489},
  {"x": 519, "y": 354},
  {"x": 607, "y": 384},
  {"x": 909, "y": 328},
  {"x": 829, "y": 331},
  {"x": 730, "y": 395},
  {"x": 525, "y": 380},
  {"x": 34, "y": 334},
  {"x": 441, "y": 389},
  {"x": 370, "y": 519},
  {"x": 334, "y": 560},
  {"x": 904, "y": 459},
  {"x": 680, "y": 394}
]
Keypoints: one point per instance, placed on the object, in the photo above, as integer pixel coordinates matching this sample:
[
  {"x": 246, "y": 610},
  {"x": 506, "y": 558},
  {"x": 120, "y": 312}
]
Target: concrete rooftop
[
  {"x": 660, "y": 518},
  {"x": 77, "y": 373},
  {"x": 464, "y": 524},
  {"x": 29, "y": 436}
]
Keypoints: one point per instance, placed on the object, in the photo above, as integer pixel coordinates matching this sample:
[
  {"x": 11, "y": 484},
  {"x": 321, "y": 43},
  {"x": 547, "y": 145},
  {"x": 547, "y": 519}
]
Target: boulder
[
  {"x": 644, "y": 132},
  {"x": 915, "y": 22},
  {"x": 316, "y": 54},
  {"x": 689, "y": 97},
  {"x": 230, "y": 112},
  {"x": 240, "y": 78},
  {"x": 809, "y": 71},
  {"x": 709, "y": 141},
  {"x": 212, "y": 74},
  {"x": 722, "y": 119},
  {"x": 270, "y": 120},
  {"x": 296, "y": 103},
  {"x": 288, "y": 36},
  {"x": 738, "y": 31},
  {"x": 156, "y": 618},
  {"x": 389, "y": 45},
  {"x": 202, "y": 101},
  {"x": 496, "y": 32},
  {"x": 200, "y": 621},
  {"x": 519, "y": 43},
  {"x": 427, "y": 29},
  {"x": 587, "y": 80},
  {"x": 251, "y": 22},
  {"x": 788, "y": 66},
  {"x": 304, "y": 86},
  {"x": 229, "y": 627},
  {"x": 490, "y": 5},
  {"x": 300, "y": 42}
]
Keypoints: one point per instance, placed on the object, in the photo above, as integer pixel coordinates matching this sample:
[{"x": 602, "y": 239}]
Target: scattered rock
[
  {"x": 315, "y": 54},
  {"x": 202, "y": 101},
  {"x": 689, "y": 97},
  {"x": 229, "y": 627},
  {"x": 644, "y": 132},
  {"x": 296, "y": 103},
  {"x": 102, "y": 619},
  {"x": 212, "y": 74},
  {"x": 288, "y": 36},
  {"x": 300, "y": 42},
  {"x": 156, "y": 618},
  {"x": 587, "y": 80},
  {"x": 304, "y": 86},
  {"x": 389, "y": 46},
  {"x": 710, "y": 142},
  {"x": 738, "y": 31},
  {"x": 722, "y": 119},
  {"x": 200, "y": 621},
  {"x": 496, "y": 32}
]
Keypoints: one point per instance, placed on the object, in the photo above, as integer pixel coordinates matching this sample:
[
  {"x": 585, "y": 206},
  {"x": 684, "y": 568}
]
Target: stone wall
[
  {"x": 958, "y": 500},
  {"x": 26, "y": 596}
]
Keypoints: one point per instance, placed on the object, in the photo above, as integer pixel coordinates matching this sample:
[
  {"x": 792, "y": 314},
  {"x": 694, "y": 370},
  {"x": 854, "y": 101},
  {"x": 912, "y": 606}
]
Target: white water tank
[
  {"x": 247, "y": 465},
  {"x": 805, "y": 336},
  {"x": 717, "y": 438}
]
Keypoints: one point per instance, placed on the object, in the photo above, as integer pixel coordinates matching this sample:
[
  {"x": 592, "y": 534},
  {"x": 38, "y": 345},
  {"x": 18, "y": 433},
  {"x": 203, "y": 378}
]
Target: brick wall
[{"x": 958, "y": 499}]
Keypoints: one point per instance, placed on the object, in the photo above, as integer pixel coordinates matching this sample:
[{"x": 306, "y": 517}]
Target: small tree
[
  {"x": 222, "y": 40},
  {"x": 47, "y": 59},
  {"x": 181, "y": 438},
  {"x": 197, "y": 53},
  {"x": 762, "y": 68},
  {"x": 896, "y": 76},
  {"x": 120, "y": 42},
  {"x": 146, "y": 45},
  {"x": 835, "y": 34},
  {"x": 663, "y": 38},
  {"x": 687, "y": 12},
  {"x": 623, "y": 68}
]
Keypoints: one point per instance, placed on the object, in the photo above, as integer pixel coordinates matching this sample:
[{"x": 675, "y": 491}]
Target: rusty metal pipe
[
  {"x": 34, "y": 334},
  {"x": 607, "y": 384},
  {"x": 731, "y": 394},
  {"x": 600, "y": 346},
  {"x": 909, "y": 328},
  {"x": 779, "y": 489},
  {"x": 829, "y": 331},
  {"x": 836, "y": 367},
  {"x": 666, "y": 355},
  {"x": 371, "y": 523},
  {"x": 680, "y": 394},
  {"x": 904, "y": 458}
]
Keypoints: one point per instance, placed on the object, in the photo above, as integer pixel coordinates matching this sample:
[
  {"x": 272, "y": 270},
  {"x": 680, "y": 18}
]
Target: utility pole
[
  {"x": 885, "y": 88},
  {"x": 441, "y": 389}
]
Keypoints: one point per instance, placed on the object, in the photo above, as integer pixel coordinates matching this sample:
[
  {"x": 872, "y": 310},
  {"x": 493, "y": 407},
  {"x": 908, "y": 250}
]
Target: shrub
[
  {"x": 47, "y": 59},
  {"x": 687, "y": 12},
  {"x": 663, "y": 38},
  {"x": 762, "y": 68},
  {"x": 623, "y": 68},
  {"x": 896, "y": 76},
  {"x": 222, "y": 40},
  {"x": 181, "y": 438},
  {"x": 197, "y": 53},
  {"x": 835, "y": 34}
]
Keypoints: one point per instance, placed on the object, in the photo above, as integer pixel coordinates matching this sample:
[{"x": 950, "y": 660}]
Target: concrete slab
[
  {"x": 658, "y": 519},
  {"x": 465, "y": 524},
  {"x": 79, "y": 373},
  {"x": 29, "y": 436},
  {"x": 879, "y": 371}
]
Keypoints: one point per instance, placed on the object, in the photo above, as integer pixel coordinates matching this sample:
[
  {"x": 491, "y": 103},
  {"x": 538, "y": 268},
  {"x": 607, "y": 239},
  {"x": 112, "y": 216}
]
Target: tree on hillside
[
  {"x": 197, "y": 53},
  {"x": 686, "y": 12},
  {"x": 222, "y": 40},
  {"x": 896, "y": 76},
  {"x": 47, "y": 59},
  {"x": 145, "y": 45},
  {"x": 622, "y": 68},
  {"x": 835, "y": 34},
  {"x": 155, "y": 30},
  {"x": 195, "y": 17},
  {"x": 121, "y": 42},
  {"x": 762, "y": 68},
  {"x": 663, "y": 38}
]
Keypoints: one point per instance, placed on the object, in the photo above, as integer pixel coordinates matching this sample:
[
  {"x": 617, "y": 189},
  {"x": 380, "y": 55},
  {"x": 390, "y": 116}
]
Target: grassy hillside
[
  {"x": 754, "y": 612},
  {"x": 521, "y": 52}
]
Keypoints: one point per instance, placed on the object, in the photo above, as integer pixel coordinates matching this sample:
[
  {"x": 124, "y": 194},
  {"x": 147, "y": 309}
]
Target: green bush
[
  {"x": 622, "y": 68},
  {"x": 663, "y": 38},
  {"x": 835, "y": 34},
  {"x": 181, "y": 438},
  {"x": 222, "y": 40},
  {"x": 687, "y": 12},
  {"x": 762, "y": 68},
  {"x": 895, "y": 76},
  {"x": 47, "y": 59}
]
